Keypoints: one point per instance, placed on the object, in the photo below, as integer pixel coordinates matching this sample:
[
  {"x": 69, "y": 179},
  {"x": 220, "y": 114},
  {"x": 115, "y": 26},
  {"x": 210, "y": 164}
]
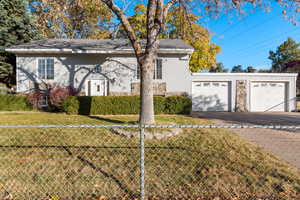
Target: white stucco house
[
  {"x": 109, "y": 67},
  {"x": 99, "y": 67}
]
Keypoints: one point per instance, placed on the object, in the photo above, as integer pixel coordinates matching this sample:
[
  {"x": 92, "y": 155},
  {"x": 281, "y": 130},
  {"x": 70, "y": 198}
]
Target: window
[
  {"x": 157, "y": 70},
  {"x": 46, "y": 68}
]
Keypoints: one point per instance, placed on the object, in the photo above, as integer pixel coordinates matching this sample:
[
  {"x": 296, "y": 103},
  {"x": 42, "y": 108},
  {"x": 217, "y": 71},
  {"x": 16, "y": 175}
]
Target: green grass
[{"x": 89, "y": 163}]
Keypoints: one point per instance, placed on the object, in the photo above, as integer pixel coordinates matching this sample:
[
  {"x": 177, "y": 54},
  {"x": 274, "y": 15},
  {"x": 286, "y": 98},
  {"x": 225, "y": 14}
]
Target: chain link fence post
[{"x": 142, "y": 162}]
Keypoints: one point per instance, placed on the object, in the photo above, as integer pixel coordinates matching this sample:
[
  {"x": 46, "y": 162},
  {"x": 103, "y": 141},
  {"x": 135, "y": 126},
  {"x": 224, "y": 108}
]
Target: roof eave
[
  {"x": 78, "y": 51},
  {"x": 244, "y": 74}
]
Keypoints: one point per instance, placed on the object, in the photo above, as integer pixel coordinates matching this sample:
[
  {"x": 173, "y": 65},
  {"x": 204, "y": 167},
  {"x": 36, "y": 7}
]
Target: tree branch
[
  {"x": 127, "y": 26},
  {"x": 165, "y": 12},
  {"x": 151, "y": 10}
]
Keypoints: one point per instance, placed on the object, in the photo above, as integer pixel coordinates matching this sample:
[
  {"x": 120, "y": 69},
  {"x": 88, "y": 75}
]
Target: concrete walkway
[{"x": 283, "y": 144}]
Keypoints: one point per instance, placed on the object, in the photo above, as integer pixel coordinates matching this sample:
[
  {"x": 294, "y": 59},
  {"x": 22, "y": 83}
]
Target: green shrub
[
  {"x": 114, "y": 105},
  {"x": 123, "y": 105},
  {"x": 10, "y": 102},
  {"x": 71, "y": 105},
  {"x": 178, "y": 105},
  {"x": 159, "y": 105}
]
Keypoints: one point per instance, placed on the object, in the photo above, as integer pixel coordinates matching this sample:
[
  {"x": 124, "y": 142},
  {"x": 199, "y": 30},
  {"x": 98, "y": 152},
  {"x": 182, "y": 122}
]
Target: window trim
[{"x": 37, "y": 68}]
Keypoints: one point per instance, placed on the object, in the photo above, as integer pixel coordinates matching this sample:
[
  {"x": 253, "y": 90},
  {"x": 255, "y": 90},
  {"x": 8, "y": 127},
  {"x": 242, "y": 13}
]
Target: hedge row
[
  {"x": 11, "y": 102},
  {"x": 116, "y": 105}
]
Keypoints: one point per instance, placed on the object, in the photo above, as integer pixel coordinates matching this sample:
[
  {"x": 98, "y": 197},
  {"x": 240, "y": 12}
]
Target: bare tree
[{"x": 157, "y": 11}]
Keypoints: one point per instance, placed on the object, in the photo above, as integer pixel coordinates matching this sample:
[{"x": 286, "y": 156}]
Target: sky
[{"x": 247, "y": 40}]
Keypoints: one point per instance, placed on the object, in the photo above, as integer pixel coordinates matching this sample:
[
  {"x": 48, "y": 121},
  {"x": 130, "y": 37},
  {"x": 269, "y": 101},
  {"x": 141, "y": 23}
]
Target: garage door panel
[
  {"x": 210, "y": 96},
  {"x": 267, "y": 96}
]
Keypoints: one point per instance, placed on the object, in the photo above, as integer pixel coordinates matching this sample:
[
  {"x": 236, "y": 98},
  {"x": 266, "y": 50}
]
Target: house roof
[{"x": 95, "y": 46}]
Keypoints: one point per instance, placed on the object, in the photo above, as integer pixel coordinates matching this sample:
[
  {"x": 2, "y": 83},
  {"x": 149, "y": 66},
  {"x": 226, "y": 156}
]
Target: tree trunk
[
  {"x": 146, "y": 90},
  {"x": 156, "y": 20}
]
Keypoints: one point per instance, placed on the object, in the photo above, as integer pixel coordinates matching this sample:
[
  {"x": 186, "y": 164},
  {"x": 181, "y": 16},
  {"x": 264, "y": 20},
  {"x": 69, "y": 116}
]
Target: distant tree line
[
  {"x": 286, "y": 58},
  {"x": 236, "y": 69}
]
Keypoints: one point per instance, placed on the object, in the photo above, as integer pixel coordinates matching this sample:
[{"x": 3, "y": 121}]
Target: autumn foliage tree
[
  {"x": 185, "y": 25},
  {"x": 179, "y": 26},
  {"x": 72, "y": 18}
]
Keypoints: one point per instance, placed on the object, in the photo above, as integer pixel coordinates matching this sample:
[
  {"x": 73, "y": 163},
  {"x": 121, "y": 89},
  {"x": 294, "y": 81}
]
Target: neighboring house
[{"x": 109, "y": 67}]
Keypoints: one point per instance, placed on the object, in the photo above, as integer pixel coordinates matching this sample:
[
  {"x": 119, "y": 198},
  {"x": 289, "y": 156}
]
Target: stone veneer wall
[
  {"x": 176, "y": 94},
  {"x": 120, "y": 94},
  {"x": 159, "y": 88},
  {"x": 241, "y": 96}
]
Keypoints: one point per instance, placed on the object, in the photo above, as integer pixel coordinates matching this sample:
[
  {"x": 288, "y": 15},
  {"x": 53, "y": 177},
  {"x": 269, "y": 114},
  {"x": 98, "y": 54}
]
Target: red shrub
[
  {"x": 34, "y": 99},
  {"x": 58, "y": 95}
]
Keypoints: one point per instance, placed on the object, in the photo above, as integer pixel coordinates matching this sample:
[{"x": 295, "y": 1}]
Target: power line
[
  {"x": 234, "y": 25},
  {"x": 251, "y": 28},
  {"x": 265, "y": 43}
]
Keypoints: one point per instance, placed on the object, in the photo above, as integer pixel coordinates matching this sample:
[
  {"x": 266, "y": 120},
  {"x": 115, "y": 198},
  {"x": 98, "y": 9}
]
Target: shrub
[
  {"x": 11, "y": 102},
  {"x": 71, "y": 105},
  {"x": 178, "y": 105},
  {"x": 34, "y": 99},
  {"x": 118, "y": 105},
  {"x": 58, "y": 95},
  {"x": 114, "y": 105},
  {"x": 159, "y": 105}
]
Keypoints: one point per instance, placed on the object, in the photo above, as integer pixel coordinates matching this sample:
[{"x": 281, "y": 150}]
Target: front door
[{"x": 96, "y": 88}]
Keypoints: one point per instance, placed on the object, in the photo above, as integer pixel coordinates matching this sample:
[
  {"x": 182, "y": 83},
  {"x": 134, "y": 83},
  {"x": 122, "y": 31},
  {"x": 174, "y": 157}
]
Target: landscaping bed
[{"x": 89, "y": 163}]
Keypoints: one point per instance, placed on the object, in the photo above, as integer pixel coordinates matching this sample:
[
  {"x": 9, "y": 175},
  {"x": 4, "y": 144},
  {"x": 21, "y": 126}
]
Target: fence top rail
[{"x": 233, "y": 126}]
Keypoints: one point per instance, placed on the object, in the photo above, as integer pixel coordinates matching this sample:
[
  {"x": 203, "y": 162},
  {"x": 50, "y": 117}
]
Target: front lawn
[{"x": 90, "y": 163}]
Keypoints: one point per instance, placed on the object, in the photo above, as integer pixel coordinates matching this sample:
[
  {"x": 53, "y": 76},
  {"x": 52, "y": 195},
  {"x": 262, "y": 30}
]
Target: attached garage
[
  {"x": 253, "y": 92},
  {"x": 211, "y": 96},
  {"x": 268, "y": 96}
]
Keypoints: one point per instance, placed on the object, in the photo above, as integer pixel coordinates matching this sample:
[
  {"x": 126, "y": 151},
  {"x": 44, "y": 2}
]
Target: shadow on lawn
[
  {"x": 92, "y": 165},
  {"x": 104, "y": 173},
  {"x": 115, "y": 121}
]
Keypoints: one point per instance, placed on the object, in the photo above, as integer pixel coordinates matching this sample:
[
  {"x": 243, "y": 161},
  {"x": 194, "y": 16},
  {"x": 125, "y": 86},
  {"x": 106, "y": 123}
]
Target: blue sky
[{"x": 247, "y": 40}]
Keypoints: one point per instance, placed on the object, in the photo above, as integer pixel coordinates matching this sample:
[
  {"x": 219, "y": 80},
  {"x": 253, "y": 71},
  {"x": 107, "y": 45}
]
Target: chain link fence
[{"x": 63, "y": 162}]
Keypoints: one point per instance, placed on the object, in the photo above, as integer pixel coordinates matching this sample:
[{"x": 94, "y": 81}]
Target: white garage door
[
  {"x": 267, "y": 96},
  {"x": 210, "y": 96}
]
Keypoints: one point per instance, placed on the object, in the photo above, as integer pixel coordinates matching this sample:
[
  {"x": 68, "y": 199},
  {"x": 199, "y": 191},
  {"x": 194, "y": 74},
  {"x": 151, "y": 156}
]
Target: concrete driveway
[{"x": 283, "y": 144}]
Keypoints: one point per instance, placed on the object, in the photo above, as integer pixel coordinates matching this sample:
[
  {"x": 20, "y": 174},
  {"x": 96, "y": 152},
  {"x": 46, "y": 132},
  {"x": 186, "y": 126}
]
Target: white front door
[
  {"x": 210, "y": 96},
  {"x": 267, "y": 96},
  {"x": 96, "y": 88}
]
